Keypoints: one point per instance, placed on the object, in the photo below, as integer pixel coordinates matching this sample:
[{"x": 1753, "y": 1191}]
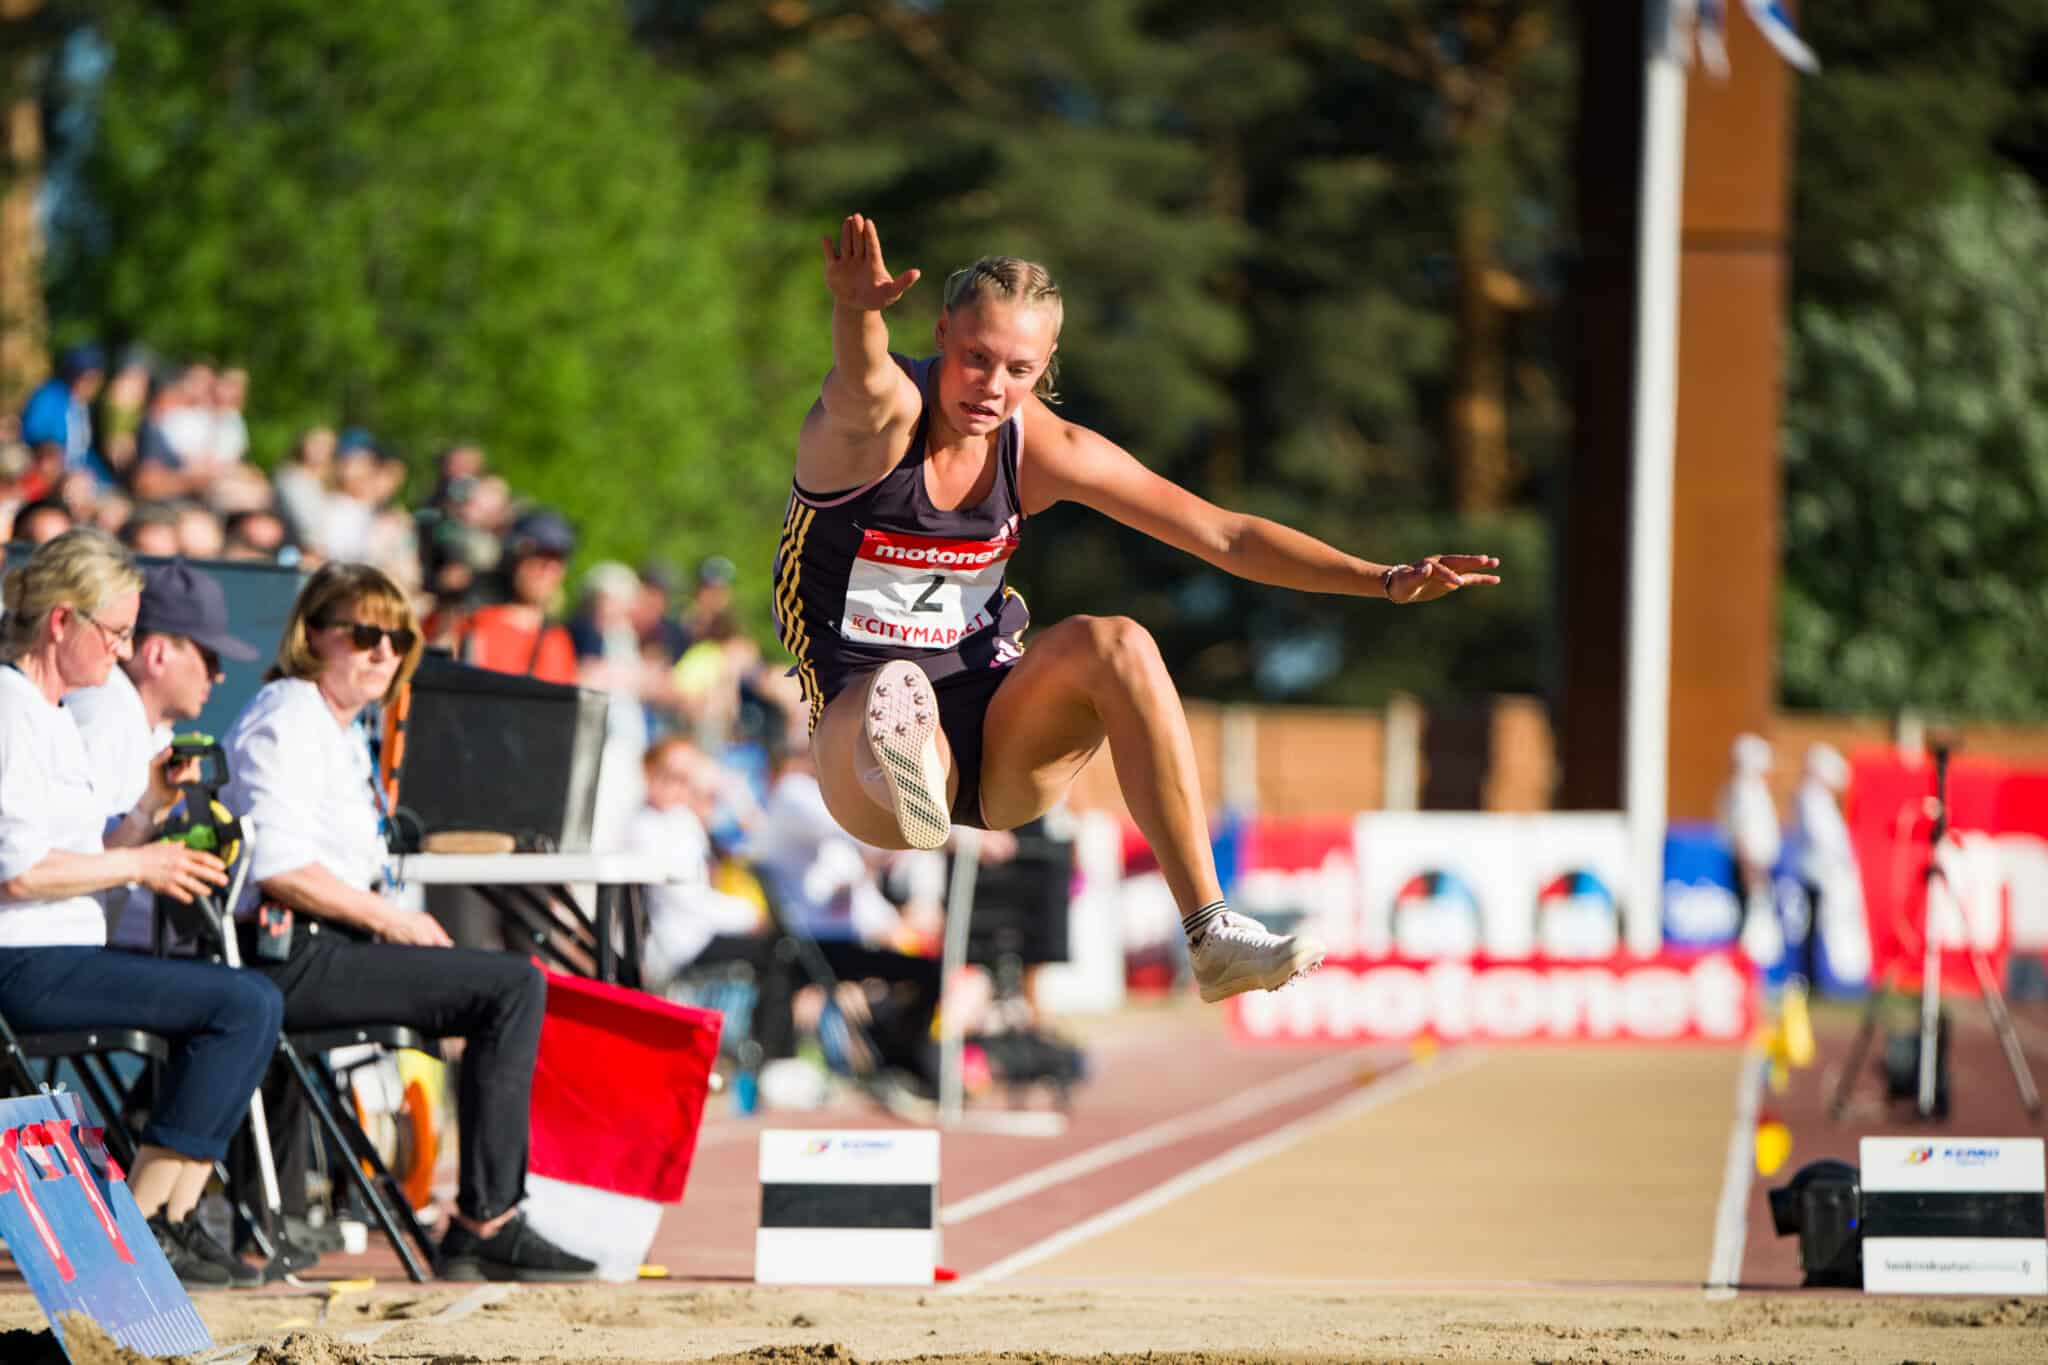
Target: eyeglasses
[
  {"x": 364, "y": 636},
  {"x": 116, "y": 636}
]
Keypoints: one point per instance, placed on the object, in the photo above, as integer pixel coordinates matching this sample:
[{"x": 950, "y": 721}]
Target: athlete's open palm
[
  {"x": 1431, "y": 578},
  {"x": 854, "y": 270}
]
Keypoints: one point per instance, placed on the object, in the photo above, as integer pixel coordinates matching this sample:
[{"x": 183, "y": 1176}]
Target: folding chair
[
  {"x": 304, "y": 1057},
  {"x": 88, "y": 1051}
]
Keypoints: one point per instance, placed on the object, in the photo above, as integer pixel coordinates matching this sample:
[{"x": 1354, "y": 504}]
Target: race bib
[{"x": 926, "y": 592}]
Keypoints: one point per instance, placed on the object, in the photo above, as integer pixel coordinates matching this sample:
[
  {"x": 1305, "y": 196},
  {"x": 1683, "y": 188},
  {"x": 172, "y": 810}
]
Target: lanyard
[{"x": 387, "y": 829}]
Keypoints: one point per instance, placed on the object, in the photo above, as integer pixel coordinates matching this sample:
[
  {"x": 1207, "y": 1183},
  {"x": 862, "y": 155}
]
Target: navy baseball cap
[{"x": 178, "y": 599}]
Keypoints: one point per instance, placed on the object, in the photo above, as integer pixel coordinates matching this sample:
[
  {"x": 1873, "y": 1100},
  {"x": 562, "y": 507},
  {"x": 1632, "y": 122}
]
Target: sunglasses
[
  {"x": 210, "y": 660},
  {"x": 364, "y": 636}
]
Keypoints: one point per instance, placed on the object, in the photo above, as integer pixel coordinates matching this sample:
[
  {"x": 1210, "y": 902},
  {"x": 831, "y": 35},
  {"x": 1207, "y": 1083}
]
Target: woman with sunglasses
[
  {"x": 301, "y": 771},
  {"x": 70, "y": 619}
]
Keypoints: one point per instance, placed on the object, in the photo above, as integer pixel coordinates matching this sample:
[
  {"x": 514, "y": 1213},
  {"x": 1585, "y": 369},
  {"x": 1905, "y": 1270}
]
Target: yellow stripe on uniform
[{"x": 795, "y": 635}]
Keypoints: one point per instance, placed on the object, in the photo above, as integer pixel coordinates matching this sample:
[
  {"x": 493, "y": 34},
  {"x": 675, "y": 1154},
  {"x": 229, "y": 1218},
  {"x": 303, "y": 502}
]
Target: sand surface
[{"x": 579, "y": 1325}]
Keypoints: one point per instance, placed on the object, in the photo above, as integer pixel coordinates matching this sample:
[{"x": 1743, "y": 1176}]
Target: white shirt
[
  {"x": 1749, "y": 819},
  {"x": 118, "y": 739},
  {"x": 47, "y": 802},
  {"x": 684, "y": 915},
  {"x": 303, "y": 779},
  {"x": 119, "y": 742},
  {"x": 230, "y": 436}
]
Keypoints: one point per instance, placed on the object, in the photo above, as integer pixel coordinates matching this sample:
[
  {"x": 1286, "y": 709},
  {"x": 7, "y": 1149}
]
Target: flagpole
[{"x": 1653, "y": 449}]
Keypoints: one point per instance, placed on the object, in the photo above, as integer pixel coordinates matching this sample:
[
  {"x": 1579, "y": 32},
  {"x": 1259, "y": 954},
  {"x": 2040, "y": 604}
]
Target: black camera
[{"x": 1822, "y": 1205}]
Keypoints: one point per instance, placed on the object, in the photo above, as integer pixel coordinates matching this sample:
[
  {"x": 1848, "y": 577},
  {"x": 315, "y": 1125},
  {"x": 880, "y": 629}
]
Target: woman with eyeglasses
[
  {"x": 70, "y": 619},
  {"x": 300, "y": 770}
]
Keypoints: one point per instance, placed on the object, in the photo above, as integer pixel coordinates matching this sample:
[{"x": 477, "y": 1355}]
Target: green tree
[
  {"x": 1916, "y": 467},
  {"x": 491, "y": 221},
  {"x": 1918, "y": 102},
  {"x": 1914, "y": 449}
]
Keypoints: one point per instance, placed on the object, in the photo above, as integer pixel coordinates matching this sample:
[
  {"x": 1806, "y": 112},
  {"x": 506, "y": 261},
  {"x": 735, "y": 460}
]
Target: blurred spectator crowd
[{"x": 157, "y": 453}]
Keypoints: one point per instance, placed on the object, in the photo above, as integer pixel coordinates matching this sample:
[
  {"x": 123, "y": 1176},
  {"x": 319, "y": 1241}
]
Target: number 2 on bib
[{"x": 927, "y": 592}]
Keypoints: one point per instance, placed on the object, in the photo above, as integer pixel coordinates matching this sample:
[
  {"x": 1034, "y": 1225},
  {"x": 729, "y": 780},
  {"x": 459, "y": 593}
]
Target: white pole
[
  {"x": 1655, "y": 424},
  {"x": 959, "y": 911},
  {"x": 259, "y": 1122}
]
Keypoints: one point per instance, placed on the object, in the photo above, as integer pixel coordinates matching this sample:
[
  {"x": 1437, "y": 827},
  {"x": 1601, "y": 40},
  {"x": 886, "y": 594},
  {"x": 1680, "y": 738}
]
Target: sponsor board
[
  {"x": 842, "y": 1207},
  {"x": 1953, "y": 1215},
  {"x": 1670, "y": 999},
  {"x": 1457, "y": 885},
  {"x": 1995, "y": 863}
]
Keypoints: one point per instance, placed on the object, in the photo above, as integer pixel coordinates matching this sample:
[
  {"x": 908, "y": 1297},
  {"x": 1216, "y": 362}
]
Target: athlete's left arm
[{"x": 1068, "y": 462}]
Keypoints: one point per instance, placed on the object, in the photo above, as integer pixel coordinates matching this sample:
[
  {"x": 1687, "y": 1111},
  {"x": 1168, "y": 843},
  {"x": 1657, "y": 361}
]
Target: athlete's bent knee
[{"x": 1125, "y": 652}]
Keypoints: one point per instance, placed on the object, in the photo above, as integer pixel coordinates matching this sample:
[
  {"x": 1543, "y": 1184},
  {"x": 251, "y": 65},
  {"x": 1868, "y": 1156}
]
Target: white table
[{"x": 618, "y": 878}]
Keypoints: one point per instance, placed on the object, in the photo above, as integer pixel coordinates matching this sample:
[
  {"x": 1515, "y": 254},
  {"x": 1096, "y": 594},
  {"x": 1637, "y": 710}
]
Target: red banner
[
  {"x": 1673, "y": 998},
  {"x": 1890, "y": 810}
]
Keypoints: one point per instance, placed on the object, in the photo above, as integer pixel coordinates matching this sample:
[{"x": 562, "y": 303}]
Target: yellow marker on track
[{"x": 1773, "y": 1146}]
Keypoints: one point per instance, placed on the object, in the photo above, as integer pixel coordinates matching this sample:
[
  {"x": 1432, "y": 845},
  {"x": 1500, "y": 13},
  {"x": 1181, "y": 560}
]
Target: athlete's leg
[
  {"x": 1094, "y": 678},
  {"x": 1088, "y": 679},
  {"x": 858, "y": 789}
]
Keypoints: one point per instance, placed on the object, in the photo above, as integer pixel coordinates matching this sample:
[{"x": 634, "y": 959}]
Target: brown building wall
[{"x": 1732, "y": 279}]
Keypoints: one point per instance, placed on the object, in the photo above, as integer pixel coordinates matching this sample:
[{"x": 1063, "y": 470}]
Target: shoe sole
[
  {"x": 1306, "y": 957},
  {"x": 902, "y": 723}
]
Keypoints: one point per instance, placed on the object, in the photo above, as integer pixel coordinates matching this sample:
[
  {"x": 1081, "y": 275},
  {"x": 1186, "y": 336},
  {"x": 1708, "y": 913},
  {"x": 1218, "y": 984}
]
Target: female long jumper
[{"x": 914, "y": 479}]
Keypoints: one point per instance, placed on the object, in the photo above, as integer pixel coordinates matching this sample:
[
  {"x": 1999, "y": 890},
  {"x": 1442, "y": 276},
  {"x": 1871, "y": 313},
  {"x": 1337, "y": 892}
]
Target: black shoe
[
  {"x": 240, "y": 1274},
  {"x": 514, "y": 1252},
  {"x": 193, "y": 1270}
]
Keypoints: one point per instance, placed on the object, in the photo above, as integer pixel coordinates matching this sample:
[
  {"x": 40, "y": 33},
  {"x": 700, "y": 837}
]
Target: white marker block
[
  {"x": 1954, "y": 1215},
  {"x": 848, "y": 1207}
]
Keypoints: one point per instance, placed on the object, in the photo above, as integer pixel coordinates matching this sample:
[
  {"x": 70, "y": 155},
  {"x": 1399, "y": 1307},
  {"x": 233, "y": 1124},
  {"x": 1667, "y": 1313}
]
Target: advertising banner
[
  {"x": 1711, "y": 998},
  {"x": 1997, "y": 819}
]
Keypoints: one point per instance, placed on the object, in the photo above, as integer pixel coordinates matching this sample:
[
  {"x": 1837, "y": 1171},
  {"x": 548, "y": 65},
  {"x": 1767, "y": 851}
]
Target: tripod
[{"x": 1940, "y": 908}]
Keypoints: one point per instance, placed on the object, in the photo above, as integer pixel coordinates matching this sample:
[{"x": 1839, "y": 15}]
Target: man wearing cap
[{"x": 181, "y": 636}]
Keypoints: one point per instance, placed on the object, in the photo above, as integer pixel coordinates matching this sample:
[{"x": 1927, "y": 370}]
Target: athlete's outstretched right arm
[{"x": 858, "y": 428}]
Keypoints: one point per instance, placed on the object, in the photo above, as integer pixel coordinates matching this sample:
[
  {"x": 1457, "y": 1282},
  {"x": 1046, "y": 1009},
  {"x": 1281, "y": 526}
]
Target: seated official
[
  {"x": 181, "y": 635},
  {"x": 302, "y": 776},
  {"x": 71, "y": 611}
]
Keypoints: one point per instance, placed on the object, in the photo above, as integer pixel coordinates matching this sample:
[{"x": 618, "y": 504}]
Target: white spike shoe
[
  {"x": 1235, "y": 954},
  {"x": 902, "y": 723}
]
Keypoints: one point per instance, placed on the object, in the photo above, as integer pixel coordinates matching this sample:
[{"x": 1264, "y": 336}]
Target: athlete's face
[{"x": 991, "y": 353}]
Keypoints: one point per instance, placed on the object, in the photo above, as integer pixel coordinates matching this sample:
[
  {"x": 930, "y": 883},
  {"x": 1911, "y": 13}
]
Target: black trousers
[{"x": 494, "y": 1001}]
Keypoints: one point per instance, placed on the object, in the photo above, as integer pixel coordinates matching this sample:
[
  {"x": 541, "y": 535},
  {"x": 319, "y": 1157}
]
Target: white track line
[
  {"x": 1396, "y": 1086},
  {"x": 1731, "y": 1216},
  {"x": 1245, "y": 1104}
]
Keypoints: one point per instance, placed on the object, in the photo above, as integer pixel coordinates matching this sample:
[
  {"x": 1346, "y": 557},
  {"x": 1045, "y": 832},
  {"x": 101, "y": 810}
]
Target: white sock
[{"x": 1195, "y": 921}]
